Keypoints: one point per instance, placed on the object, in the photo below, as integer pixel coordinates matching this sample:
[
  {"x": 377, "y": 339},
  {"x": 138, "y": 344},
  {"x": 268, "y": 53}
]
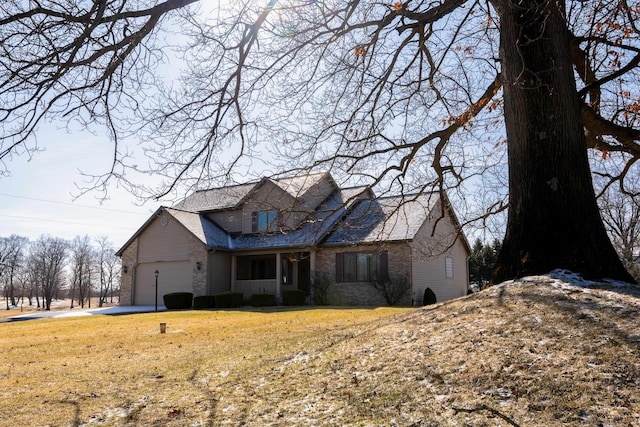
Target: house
[{"x": 279, "y": 233}]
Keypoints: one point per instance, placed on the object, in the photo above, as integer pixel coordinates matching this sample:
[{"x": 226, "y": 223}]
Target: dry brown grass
[
  {"x": 534, "y": 353},
  {"x": 102, "y": 370}
]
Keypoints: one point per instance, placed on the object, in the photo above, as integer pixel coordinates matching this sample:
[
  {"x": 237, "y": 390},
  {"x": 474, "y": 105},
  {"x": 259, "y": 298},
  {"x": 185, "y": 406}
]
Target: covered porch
[{"x": 272, "y": 273}]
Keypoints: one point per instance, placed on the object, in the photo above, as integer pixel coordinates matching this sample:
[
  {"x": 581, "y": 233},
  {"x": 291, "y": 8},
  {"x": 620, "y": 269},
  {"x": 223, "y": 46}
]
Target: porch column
[
  {"x": 312, "y": 263},
  {"x": 278, "y": 275},
  {"x": 233, "y": 272},
  {"x": 312, "y": 273}
]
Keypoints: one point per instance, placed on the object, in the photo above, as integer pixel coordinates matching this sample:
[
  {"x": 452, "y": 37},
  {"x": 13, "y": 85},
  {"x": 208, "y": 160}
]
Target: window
[
  {"x": 256, "y": 267},
  {"x": 448, "y": 267},
  {"x": 263, "y": 221},
  {"x": 361, "y": 266}
]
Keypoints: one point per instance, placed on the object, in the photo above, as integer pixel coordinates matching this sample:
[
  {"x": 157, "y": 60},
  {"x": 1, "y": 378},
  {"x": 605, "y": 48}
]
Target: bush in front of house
[
  {"x": 293, "y": 297},
  {"x": 229, "y": 300},
  {"x": 204, "y": 301},
  {"x": 393, "y": 288},
  {"x": 320, "y": 285},
  {"x": 429, "y": 297},
  {"x": 178, "y": 300},
  {"x": 263, "y": 300}
]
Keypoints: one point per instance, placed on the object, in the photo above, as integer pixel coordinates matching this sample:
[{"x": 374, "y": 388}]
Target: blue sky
[{"x": 40, "y": 195}]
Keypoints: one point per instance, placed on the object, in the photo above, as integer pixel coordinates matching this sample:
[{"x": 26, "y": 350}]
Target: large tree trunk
[{"x": 554, "y": 221}]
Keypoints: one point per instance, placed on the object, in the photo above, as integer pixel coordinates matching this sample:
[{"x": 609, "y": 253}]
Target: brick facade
[
  {"x": 130, "y": 260},
  {"x": 357, "y": 293},
  {"x": 198, "y": 253}
]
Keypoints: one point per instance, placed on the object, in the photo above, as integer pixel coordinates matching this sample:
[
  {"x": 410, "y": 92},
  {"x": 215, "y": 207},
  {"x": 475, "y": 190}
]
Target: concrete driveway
[{"x": 121, "y": 309}]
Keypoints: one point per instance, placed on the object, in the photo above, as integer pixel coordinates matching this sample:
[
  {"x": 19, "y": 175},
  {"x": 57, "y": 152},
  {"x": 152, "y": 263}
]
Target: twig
[{"x": 486, "y": 408}]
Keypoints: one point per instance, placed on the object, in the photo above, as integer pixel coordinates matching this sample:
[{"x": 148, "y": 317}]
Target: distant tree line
[
  {"x": 50, "y": 268},
  {"x": 481, "y": 262}
]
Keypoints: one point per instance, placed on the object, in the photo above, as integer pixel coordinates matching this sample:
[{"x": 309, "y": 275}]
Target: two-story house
[{"x": 277, "y": 234}]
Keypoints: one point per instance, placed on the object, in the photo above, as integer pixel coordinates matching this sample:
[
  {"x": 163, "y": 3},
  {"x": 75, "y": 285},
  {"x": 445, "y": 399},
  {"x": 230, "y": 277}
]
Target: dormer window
[{"x": 265, "y": 221}]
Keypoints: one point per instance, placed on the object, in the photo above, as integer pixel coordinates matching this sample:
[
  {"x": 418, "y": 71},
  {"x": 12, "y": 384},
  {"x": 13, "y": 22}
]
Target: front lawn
[{"x": 102, "y": 370}]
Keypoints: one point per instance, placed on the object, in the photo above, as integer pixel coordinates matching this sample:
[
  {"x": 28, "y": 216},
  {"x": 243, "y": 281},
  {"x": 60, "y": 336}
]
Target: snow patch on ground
[{"x": 570, "y": 281}]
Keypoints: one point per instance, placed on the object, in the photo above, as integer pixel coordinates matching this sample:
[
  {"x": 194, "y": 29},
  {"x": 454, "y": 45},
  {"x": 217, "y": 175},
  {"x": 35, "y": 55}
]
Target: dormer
[
  {"x": 270, "y": 205},
  {"x": 282, "y": 204}
]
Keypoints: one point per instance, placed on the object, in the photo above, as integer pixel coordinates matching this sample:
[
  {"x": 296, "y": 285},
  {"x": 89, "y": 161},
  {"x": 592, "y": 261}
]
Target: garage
[{"x": 173, "y": 276}]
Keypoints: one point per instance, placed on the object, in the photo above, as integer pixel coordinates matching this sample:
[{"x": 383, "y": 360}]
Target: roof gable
[
  {"x": 215, "y": 198},
  {"x": 206, "y": 231},
  {"x": 232, "y": 197}
]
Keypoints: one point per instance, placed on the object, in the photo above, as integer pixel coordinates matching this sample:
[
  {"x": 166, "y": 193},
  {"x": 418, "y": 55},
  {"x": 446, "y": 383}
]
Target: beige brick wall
[
  {"x": 129, "y": 259},
  {"x": 363, "y": 293},
  {"x": 197, "y": 252}
]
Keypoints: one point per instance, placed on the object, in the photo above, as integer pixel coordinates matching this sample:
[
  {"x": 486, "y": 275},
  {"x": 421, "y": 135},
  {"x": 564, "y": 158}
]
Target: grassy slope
[{"x": 528, "y": 354}]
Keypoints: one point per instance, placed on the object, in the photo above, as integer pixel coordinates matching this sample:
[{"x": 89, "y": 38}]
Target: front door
[{"x": 304, "y": 274}]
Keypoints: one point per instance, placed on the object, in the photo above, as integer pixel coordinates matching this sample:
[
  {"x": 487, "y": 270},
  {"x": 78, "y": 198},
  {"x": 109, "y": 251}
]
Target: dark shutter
[
  {"x": 279, "y": 221},
  {"x": 384, "y": 265},
  {"x": 339, "y": 267},
  {"x": 254, "y": 221}
]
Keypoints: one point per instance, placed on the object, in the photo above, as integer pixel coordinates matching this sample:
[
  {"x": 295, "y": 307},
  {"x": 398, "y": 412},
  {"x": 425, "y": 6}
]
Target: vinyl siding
[
  {"x": 164, "y": 240},
  {"x": 315, "y": 195},
  {"x": 429, "y": 261},
  {"x": 230, "y": 221},
  {"x": 267, "y": 197}
]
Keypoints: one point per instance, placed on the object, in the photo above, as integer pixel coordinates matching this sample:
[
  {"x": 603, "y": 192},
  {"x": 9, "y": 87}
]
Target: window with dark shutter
[{"x": 361, "y": 266}]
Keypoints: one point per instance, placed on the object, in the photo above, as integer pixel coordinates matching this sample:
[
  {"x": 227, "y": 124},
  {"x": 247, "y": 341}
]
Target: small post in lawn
[{"x": 157, "y": 273}]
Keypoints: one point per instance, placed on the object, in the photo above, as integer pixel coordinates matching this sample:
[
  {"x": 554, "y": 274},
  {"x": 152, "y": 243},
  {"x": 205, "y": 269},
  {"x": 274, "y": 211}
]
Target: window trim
[
  {"x": 270, "y": 224},
  {"x": 448, "y": 267}
]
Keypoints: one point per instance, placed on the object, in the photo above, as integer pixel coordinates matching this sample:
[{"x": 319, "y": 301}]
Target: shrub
[
  {"x": 204, "y": 301},
  {"x": 293, "y": 297},
  {"x": 394, "y": 288},
  {"x": 320, "y": 285},
  {"x": 229, "y": 300},
  {"x": 429, "y": 297},
  {"x": 263, "y": 300},
  {"x": 178, "y": 300}
]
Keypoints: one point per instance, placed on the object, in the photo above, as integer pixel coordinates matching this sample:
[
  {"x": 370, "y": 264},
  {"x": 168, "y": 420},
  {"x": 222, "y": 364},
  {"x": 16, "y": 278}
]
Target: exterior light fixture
[
  {"x": 125, "y": 269},
  {"x": 198, "y": 265}
]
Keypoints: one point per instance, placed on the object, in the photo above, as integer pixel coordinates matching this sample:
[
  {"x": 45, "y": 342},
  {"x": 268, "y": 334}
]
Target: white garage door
[{"x": 172, "y": 277}]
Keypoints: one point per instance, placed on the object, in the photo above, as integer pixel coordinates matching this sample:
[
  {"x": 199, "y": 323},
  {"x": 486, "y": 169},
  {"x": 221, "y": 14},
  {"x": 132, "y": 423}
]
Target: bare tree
[
  {"x": 621, "y": 216},
  {"x": 47, "y": 257},
  {"x": 81, "y": 263},
  {"x": 108, "y": 266},
  {"x": 403, "y": 95},
  {"x": 12, "y": 256}
]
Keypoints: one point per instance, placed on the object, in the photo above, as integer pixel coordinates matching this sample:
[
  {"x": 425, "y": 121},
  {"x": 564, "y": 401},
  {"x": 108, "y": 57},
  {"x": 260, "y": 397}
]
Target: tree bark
[{"x": 554, "y": 220}]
